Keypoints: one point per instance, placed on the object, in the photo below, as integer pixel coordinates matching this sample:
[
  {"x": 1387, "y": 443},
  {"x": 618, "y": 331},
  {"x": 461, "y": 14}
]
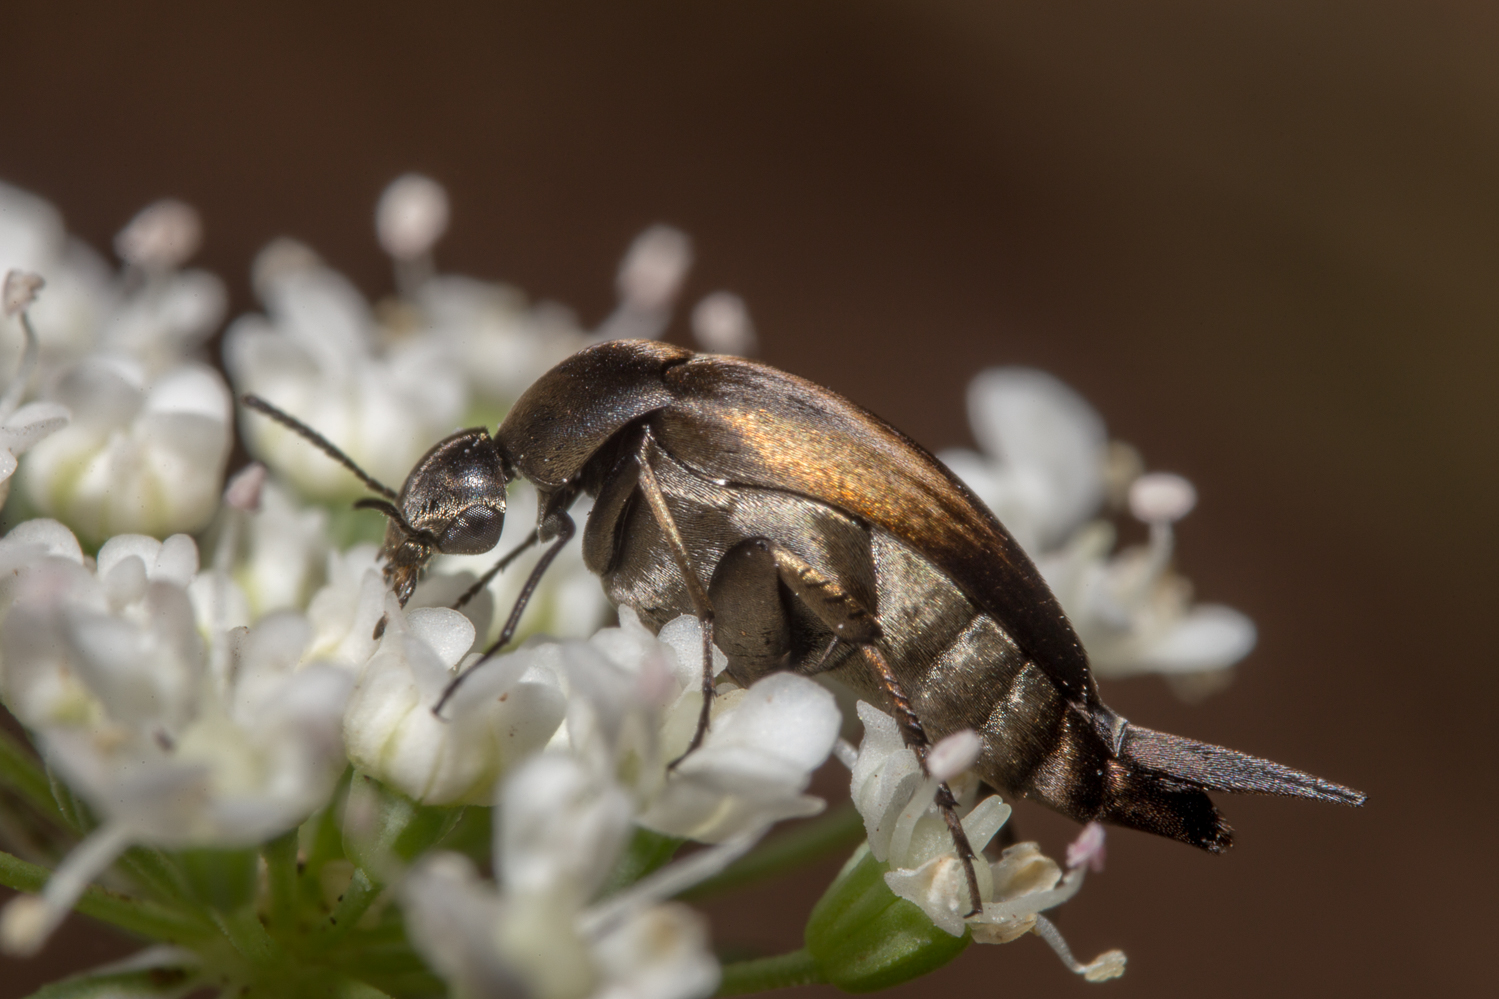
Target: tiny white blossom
[
  {"x": 634, "y": 705},
  {"x": 286, "y": 549},
  {"x": 493, "y": 336},
  {"x": 21, "y": 427},
  {"x": 504, "y": 713},
  {"x": 318, "y": 354},
  {"x": 411, "y": 216},
  {"x": 1132, "y": 610},
  {"x": 141, "y": 455},
  {"x": 906, "y": 831},
  {"x": 561, "y": 826},
  {"x": 162, "y": 237},
  {"x": 79, "y": 286},
  {"x": 1042, "y": 470},
  {"x": 107, "y": 667},
  {"x": 721, "y": 324},
  {"x": 650, "y": 276}
]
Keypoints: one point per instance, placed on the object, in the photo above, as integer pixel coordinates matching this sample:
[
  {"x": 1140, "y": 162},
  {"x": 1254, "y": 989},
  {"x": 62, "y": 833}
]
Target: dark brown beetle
[{"x": 808, "y": 534}]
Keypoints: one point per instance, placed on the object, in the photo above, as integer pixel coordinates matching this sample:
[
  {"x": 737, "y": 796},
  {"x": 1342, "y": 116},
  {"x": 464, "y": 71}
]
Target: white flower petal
[
  {"x": 448, "y": 633},
  {"x": 659, "y": 953},
  {"x": 1211, "y": 636}
]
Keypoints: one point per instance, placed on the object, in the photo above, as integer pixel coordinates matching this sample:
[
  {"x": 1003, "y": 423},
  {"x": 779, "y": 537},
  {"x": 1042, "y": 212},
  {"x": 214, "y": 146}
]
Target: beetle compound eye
[{"x": 473, "y": 532}]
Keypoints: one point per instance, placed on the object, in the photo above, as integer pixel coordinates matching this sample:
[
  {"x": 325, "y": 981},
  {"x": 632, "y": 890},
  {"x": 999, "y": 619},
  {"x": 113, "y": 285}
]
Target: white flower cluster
[
  {"x": 565, "y": 817},
  {"x": 216, "y": 707},
  {"x": 1048, "y": 470},
  {"x": 149, "y": 435},
  {"x": 907, "y": 832},
  {"x": 170, "y": 740}
]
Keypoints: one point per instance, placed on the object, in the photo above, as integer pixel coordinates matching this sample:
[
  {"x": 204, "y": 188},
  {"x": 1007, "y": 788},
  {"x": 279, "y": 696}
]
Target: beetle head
[{"x": 453, "y": 503}]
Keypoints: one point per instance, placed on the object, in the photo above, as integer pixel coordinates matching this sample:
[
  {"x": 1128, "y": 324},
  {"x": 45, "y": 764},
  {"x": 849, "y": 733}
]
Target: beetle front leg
[{"x": 650, "y": 487}]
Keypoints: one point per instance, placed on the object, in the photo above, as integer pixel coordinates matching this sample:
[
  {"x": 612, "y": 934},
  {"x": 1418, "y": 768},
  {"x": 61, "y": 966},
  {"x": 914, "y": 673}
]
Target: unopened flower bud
[
  {"x": 654, "y": 266},
  {"x": 279, "y": 259},
  {"x": 411, "y": 216},
  {"x": 722, "y": 325},
  {"x": 1161, "y": 497},
  {"x": 243, "y": 491},
  {"x": 1088, "y": 849},
  {"x": 161, "y": 237},
  {"x": 954, "y": 754}
]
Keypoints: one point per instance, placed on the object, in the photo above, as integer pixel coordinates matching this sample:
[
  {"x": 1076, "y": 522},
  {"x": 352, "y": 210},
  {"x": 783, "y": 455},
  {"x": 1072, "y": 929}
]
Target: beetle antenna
[
  {"x": 389, "y": 509},
  {"x": 322, "y": 443},
  {"x": 565, "y": 528}
]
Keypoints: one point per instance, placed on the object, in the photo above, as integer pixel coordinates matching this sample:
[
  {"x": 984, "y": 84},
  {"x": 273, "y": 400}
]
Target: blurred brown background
[{"x": 1262, "y": 238}]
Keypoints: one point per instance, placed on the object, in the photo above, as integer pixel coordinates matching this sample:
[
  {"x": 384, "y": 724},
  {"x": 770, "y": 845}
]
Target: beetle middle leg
[
  {"x": 656, "y": 499},
  {"x": 557, "y": 526},
  {"x": 756, "y": 635}
]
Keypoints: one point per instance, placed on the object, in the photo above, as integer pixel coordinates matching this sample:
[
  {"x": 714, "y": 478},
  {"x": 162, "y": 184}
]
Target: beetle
[{"x": 807, "y": 534}]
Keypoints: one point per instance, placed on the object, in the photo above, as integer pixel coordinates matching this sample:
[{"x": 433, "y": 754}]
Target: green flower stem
[
  {"x": 416, "y": 983},
  {"x": 840, "y": 828},
  {"x": 138, "y": 916},
  {"x": 355, "y": 901},
  {"x": 154, "y": 871},
  {"x": 151, "y": 981},
  {"x": 73, "y": 811},
  {"x": 647, "y": 852},
  {"x": 281, "y": 877},
  {"x": 20, "y": 772},
  {"x": 766, "y": 973},
  {"x": 353, "y": 988},
  {"x": 249, "y": 937}
]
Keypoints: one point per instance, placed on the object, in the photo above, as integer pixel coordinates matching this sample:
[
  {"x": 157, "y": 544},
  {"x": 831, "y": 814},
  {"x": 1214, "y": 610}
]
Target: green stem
[
  {"x": 19, "y": 771},
  {"x": 281, "y": 877},
  {"x": 355, "y": 901},
  {"x": 74, "y": 812},
  {"x": 150, "y": 981},
  {"x": 135, "y": 915},
  {"x": 153, "y": 870},
  {"x": 353, "y": 988},
  {"x": 647, "y": 851},
  {"x": 838, "y": 829},
  {"x": 766, "y": 973},
  {"x": 248, "y": 936}
]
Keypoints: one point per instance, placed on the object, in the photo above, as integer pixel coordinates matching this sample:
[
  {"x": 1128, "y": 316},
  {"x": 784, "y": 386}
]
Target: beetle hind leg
[{"x": 748, "y": 587}]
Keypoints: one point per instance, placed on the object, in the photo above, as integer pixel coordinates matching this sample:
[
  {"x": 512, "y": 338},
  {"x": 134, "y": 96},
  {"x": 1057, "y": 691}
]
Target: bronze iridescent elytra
[{"x": 808, "y": 534}]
